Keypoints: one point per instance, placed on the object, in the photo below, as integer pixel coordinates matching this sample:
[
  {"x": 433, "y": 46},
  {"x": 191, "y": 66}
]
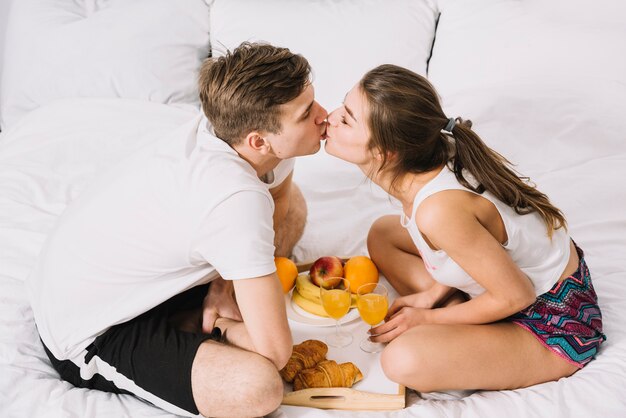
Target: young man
[{"x": 120, "y": 294}]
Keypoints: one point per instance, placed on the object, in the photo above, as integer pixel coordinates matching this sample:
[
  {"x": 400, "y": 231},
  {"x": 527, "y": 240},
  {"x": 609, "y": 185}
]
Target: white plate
[{"x": 297, "y": 314}]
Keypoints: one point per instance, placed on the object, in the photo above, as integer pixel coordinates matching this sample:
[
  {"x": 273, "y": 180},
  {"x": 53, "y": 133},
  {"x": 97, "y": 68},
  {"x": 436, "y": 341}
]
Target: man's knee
[
  {"x": 234, "y": 382},
  {"x": 266, "y": 390},
  {"x": 297, "y": 214},
  {"x": 291, "y": 228}
]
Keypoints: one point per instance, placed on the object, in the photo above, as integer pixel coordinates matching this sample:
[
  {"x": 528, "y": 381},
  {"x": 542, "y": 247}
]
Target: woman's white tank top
[{"x": 542, "y": 259}]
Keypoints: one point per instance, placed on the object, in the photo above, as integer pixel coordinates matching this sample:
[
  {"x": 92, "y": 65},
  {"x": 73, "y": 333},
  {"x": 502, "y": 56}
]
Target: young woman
[{"x": 494, "y": 293}]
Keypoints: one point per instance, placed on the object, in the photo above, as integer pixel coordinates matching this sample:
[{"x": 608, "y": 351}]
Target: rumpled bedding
[{"x": 41, "y": 172}]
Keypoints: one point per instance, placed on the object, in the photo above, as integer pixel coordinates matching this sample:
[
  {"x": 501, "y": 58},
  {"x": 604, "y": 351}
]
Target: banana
[
  {"x": 307, "y": 288},
  {"x": 311, "y": 291},
  {"x": 308, "y": 305}
]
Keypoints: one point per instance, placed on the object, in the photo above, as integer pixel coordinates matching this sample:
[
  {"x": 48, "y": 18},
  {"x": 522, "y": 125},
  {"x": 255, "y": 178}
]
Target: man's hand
[{"x": 219, "y": 303}]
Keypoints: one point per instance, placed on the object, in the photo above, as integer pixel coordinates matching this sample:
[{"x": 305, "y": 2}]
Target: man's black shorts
[{"x": 146, "y": 356}]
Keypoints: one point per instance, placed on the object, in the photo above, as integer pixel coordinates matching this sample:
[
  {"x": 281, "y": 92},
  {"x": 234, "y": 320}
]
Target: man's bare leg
[
  {"x": 227, "y": 378},
  {"x": 290, "y": 230},
  {"x": 229, "y": 381}
]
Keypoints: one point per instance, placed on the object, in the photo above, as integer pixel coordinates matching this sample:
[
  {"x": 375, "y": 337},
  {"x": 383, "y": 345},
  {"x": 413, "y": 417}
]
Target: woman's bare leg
[
  {"x": 495, "y": 356},
  {"x": 391, "y": 248}
]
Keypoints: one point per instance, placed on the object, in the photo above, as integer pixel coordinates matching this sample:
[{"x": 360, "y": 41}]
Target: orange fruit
[
  {"x": 360, "y": 270},
  {"x": 287, "y": 272}
]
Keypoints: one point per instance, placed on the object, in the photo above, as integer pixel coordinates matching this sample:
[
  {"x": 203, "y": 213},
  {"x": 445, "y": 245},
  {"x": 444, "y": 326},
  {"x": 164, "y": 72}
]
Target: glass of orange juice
[
  {"x": 372, "y": 301},
  {"x": 336, "y": 300}
]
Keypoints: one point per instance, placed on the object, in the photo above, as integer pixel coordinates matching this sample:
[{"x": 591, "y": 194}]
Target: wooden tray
[
  {"x": 368, "y": 397},
  {"x": 346, "y": 398}
]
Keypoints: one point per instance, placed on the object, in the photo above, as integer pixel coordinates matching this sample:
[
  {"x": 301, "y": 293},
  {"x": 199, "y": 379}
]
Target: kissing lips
[{"x": 325, "y": 132}]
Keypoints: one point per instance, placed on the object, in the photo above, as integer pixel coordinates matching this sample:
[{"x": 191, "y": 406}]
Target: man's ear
[{"x": 257, "y": 142}]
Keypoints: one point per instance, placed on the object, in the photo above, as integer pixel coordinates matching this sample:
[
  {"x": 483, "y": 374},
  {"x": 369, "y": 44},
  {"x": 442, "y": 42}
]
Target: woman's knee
[
  {"x": 399, "y": 359},
  {"x": 404, "y": 362},
  {"x": 378, "y": 236}
]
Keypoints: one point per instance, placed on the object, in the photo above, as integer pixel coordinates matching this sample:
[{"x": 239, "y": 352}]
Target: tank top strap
[{"x": 444, "y": 180}]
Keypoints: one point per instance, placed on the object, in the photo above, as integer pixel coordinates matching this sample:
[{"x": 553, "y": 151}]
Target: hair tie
[{"x": 450, "y": 125}]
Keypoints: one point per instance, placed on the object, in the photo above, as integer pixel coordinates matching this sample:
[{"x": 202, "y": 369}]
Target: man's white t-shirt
[{"x": 176, "y": 214}]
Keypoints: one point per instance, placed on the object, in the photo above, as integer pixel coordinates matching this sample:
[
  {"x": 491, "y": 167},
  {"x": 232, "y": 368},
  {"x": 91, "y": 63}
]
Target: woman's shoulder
[{"x": 443, "y": 207}]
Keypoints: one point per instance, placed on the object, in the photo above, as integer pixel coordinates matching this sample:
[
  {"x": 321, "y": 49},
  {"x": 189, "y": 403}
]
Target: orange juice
[
  {"x": 336, "y": 302},
  {"x": 372, "y": 307}
]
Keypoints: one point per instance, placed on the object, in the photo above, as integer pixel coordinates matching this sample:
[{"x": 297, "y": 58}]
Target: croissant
[
  {"x": 328, "y": 374},
  {"x": 304, "y": 355}
]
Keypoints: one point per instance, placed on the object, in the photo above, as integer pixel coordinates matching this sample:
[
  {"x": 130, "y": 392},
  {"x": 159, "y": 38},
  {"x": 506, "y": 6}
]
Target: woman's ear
[
  {"x": 392, "y": 155},
  {"x": 380, "y": 155}
]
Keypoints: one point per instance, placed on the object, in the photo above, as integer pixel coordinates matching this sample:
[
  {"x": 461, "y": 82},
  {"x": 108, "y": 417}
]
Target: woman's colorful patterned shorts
[{"x": 567, "y": 318}]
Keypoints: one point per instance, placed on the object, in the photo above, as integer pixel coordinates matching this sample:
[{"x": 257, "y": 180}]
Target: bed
[{"x": 86, "y": 82}]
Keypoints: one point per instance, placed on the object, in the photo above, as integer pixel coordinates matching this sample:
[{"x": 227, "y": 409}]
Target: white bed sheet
[{"x": 40, "y": 173}]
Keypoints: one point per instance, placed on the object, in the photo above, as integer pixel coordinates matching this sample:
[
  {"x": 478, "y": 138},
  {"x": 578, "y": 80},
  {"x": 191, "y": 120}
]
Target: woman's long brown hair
[{"x": 406, "y": 122}]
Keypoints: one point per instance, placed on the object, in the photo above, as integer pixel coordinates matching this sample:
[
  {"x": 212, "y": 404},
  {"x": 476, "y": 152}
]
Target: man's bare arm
[{"x": 262, "y": 305}]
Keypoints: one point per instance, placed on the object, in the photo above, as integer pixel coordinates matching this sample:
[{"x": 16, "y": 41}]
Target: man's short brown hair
[{"x": 241, "y": 91}]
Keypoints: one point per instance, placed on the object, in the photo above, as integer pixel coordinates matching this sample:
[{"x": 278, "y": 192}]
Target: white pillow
[
  {"x": 342, "y": 39},
  {"x": 543, "y": 82},
  {"x": 140, "y": 49}
]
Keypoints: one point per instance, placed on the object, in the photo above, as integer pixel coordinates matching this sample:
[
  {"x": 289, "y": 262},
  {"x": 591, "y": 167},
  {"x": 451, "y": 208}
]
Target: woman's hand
[
  {"x": 404, "y": 318},
  {"x": 427, "y": 299},
  {"x": 219, "y": 303},
  {"x": 415, "y": 300},
  {"x": 405, "y": 312}
]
